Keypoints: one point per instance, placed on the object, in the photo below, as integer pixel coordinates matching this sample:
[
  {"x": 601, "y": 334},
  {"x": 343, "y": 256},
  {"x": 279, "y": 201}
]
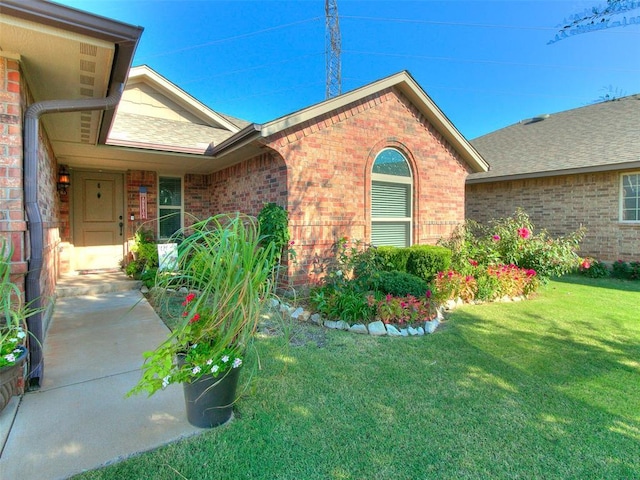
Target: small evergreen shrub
[
  {"x": 626, "y": 271},
  {"x": 400, "y": 284},
  {"x": 425, "y": 261},
  {"x": 392, "y": 258}
]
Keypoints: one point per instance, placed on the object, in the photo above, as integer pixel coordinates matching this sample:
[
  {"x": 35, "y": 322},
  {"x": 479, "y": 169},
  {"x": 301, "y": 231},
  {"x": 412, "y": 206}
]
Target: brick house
[
  {"x": 573, "y": 168},
  {"x": 381, "y": 163}
]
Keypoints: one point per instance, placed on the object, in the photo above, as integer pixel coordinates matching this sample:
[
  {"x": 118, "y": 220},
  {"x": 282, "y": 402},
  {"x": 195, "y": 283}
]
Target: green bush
[
  {"x": 392, "y": 258},
  {"x": 594, "y": 269},
  {"x": 425, "y": 261},
  {"x": 626, "y": 271},
  {"x": 274, "y": 227},
  {"x": 347, "y": 303},
  {"x": 400, "y": 284}
]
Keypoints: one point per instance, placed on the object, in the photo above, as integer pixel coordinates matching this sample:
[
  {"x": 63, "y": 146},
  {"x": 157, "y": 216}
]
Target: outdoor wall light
[{"x": 64, "y": 179}]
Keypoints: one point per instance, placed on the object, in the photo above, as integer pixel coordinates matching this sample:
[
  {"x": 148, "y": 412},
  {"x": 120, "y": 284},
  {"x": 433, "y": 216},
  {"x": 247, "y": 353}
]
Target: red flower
[
  {"x": 428, "y": 294},
  {"x": 524, "y": 232},
  {"x": 195, "y": 318},
  {"x": 473, "y": 263},
  {"x": 586, "y": 264},
  {"x": 188, "y": 299},
  {"x": 496, "y": 238}
]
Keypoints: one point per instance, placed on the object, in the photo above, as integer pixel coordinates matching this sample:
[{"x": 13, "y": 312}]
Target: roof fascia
[
  {"x": 404, "y": 82},
  {"x": 144, "y": 73},
  {"x": 242, "y": 138},
  {"x": 125, "y": 38},
  {"x": 554, "y": 173}
]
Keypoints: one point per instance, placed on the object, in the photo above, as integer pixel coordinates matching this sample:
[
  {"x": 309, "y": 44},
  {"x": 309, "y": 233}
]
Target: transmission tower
[{"x": 332, "y": 49}]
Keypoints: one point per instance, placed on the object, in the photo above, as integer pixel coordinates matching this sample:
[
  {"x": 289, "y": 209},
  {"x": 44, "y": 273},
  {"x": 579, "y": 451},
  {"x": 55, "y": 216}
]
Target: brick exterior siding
[
  {"x": 329, "y": 162},
  {"x": 561, "y": 205},
  {"x": 14, "y": 100}
]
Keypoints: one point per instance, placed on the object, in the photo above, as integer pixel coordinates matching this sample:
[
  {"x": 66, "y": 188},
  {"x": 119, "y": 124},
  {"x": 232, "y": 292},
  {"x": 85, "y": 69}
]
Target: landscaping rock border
[{"x": 376, "y": 328}]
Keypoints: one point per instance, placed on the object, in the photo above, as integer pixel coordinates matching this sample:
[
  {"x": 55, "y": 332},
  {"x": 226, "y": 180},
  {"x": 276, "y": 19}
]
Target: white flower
[
  {"x": 209, "y": 362},
  {"x": 21, "y": 334},
  {"x": 339, "y": 273},
  {"x": 196, "y": 370},
  {"x": 10, "y": 357},
  {"x": 237, "y": 362},
  {"x": 165, "y": 381},
  {"x": 215, "y": 368},
  {"x": 225, "y": 359}
]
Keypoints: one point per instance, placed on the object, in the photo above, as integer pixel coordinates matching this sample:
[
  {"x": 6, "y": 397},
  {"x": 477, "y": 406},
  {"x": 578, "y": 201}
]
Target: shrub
[
  {"x": 593, "y": 268},
  {"x": 400, "y": 284},
  {"x": 513, "y": 240},
  {"x": 274, "y": 227},
  {"x": 146, "y": 255},
  {"x": 626, "y": 271},
  {"x": 392, "y": 258},
  {"x": 348, "y": 304},
  {"x": 452, "y": 285},
  {"x": 425, "y": 261},
  {"x": 407, "y": 310}
]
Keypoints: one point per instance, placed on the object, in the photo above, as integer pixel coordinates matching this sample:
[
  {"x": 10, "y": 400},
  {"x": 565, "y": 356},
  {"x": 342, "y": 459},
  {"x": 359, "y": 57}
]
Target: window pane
[
  {"x": 631, "y": 197},
  {"x": 393, "y": 234},
  {"x": 170, "y": 192},
  {"x": 391, "y": 162},
  {"x": 169, "y": 222},
  {"x": 390, "y": 200}
]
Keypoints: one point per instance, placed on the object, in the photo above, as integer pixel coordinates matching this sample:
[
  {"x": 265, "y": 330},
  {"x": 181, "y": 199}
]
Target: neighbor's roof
[
  {"x": 599, "y": 137},
  {"x": 245, "y": 142}
]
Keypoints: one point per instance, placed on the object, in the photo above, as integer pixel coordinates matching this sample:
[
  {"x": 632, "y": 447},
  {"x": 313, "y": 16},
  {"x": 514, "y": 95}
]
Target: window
[
  {"x": 391, "y": 193},
  {"x": 170, "y": 206},
  {"x": 630, "y": 198}
]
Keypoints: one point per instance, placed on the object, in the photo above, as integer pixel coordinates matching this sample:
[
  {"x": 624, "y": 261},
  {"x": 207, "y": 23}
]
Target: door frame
[{"x": 74, "y": 171}]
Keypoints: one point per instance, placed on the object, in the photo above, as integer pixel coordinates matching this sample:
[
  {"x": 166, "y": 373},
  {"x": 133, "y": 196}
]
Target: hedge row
[{"x": 423, "y": 261}]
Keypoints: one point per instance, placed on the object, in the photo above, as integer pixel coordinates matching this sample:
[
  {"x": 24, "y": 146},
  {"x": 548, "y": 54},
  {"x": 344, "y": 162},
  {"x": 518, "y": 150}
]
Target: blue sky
[{"x": 485, "y": 64}]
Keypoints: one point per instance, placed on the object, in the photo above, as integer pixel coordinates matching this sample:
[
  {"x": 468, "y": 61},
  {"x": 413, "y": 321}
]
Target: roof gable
[
  {"x": 598, "y": 137},
  {"x": 402, "y": 81}
]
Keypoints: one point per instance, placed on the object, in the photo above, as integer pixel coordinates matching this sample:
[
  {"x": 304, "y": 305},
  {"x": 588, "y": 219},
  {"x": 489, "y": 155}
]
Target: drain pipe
[{"x": 36, "y": 236}]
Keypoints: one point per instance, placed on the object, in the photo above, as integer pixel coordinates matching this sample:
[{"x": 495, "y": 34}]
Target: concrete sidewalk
[{"x": 80, "y": 419}]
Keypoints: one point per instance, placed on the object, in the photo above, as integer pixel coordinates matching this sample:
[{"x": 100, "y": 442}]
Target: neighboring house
[
  {"x": 381, "y": 164},
  {"x": 573, "y": 168}
]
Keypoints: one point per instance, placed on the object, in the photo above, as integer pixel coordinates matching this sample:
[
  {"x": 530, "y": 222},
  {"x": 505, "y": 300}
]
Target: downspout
[{"x": 36, "y": 236}]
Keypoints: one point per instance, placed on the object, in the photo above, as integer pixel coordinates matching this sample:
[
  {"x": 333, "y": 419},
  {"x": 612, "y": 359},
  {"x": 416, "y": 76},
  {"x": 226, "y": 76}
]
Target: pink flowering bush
[
  {"x": 513, "y": 241},
  {"x": 453, "y": 285}
]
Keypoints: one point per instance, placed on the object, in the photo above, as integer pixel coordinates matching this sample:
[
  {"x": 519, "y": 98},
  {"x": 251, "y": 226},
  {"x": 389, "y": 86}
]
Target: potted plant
[
  {"x": 13, "y": 331},
  {"x": 225, "y": 273}
]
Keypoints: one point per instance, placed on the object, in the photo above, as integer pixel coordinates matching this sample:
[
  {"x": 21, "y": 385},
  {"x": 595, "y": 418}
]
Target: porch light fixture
[{"x": 64, "y": 179}]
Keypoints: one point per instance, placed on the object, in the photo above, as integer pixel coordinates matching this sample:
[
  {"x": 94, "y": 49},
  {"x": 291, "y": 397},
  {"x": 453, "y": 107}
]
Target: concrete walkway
[{"x": 80, "y": 419}]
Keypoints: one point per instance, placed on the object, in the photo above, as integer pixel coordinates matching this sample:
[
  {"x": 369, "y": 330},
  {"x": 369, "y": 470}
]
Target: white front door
[{"x": 98, "y": 220}]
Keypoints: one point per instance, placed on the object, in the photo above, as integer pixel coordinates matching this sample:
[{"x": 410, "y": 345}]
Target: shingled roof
[{"x": 599, "y": 137}]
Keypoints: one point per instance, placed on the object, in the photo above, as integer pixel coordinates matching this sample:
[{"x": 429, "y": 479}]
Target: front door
[{"x": 98, "y": 220}]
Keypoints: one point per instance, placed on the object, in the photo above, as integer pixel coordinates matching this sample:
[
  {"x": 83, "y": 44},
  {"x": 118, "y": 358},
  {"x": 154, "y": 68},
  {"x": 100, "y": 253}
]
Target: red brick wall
[
  {"x": 12, "y": 218},
  {"x": 134, "y": 179},
  {"x": 247, "y": 186},
  {"x": 197, "y": 198},
  {"x": 329, "y": 175},
  {"x": 14, "y": 99},
  {"x": 561, "y": 205}
]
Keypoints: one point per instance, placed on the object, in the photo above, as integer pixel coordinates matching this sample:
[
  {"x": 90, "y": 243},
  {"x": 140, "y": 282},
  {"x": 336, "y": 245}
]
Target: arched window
[{"x": 391, "y": 194}]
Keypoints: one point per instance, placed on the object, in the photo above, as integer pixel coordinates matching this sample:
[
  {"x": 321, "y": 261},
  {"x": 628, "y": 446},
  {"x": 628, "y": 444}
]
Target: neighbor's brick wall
[
  {"x": 561, "y": 205},
  {"x": 329, "y": 175}
]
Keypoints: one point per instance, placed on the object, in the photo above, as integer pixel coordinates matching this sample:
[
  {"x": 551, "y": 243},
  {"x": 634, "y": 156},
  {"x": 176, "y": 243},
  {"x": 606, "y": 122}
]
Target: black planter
[
  {"x": 209, "y": 400},
  {"x": 9, "y": 379}
]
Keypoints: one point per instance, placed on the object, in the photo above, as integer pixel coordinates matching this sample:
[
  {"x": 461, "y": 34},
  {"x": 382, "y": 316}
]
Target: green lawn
[{"x": 547, "y": 388}]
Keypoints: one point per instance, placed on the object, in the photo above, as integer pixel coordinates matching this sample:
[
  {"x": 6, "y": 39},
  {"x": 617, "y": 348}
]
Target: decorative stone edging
[{"x": 377, "y": 328}]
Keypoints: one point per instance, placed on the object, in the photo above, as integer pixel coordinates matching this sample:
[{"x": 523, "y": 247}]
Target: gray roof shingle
[{"x": 605, "y": 136}]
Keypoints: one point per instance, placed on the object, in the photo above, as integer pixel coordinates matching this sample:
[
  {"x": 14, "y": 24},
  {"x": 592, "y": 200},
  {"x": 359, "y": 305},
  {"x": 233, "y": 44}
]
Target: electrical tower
[{"x": 332, "y": 49}]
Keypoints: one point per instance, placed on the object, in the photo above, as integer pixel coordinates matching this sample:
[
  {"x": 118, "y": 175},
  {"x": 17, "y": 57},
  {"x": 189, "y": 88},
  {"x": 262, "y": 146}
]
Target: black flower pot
[
  {"x": 209, "y": 400},
  {"x": 9, "y": 379}
]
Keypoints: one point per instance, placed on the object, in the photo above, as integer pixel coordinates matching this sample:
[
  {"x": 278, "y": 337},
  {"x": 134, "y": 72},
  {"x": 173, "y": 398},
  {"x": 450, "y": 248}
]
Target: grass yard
[{"x": 547, "y": 388}]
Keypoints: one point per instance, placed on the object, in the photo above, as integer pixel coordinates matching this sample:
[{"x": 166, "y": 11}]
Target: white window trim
[
  {"x": 384, "y": 178},
  {"x": 171, "y": 207},
  {"x": 621, "y": 200}
]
